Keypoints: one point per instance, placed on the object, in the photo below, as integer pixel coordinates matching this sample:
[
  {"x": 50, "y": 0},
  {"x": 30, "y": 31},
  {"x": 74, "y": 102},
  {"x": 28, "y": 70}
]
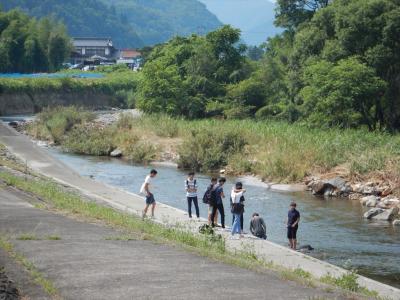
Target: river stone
[
  {"x": 322, "y": 188},
  {"x": 387, "y": 215},
  {"x": 382, "y": 205},
  {"x": 116, "y": 153},
  {"x": 396, "y": 222},
  {"x": 373, "y": 212},
  {"x": 391, "y": 201},
  {"x": 370, "y": 201}
]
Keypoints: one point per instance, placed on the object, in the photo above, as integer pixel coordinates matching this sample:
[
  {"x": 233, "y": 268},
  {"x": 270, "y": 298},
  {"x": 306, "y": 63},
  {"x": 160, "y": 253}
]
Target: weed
[
  {"x": 28, "y": 237},
  {"x": 30, "y": 267},
  {"x": 120, "y": 238},
  {"x": 53, "y": 238}
]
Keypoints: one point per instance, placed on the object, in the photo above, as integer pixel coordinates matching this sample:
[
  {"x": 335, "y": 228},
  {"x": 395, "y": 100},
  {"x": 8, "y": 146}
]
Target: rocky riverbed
[{"x": 378, "y": 195}]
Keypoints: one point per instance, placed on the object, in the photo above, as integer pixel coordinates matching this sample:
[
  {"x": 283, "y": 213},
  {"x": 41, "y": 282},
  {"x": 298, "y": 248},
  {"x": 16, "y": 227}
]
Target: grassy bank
[
  {"x": 273, "y": 150},
  {"x": 58, "y": 199}
]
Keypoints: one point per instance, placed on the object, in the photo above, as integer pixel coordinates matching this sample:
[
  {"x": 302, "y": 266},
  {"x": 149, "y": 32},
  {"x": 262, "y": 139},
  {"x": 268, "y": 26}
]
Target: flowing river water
[{"x": 334, "y": 227}]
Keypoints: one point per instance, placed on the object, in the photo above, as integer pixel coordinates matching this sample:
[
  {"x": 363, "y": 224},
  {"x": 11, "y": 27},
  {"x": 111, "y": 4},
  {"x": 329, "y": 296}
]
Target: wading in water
[
  {"x": 237, "y": 208},
  {"x": 292, "y": 225},
  {"x": 191, "y": 194},
  {"x": 145, "y": 190}
]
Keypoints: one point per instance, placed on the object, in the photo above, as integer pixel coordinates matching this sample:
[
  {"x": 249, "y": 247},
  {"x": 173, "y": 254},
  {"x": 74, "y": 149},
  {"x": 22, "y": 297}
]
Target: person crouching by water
[
  {"x": 237, "y": 207},
  {"x": 208, "y": 199},
  {"x": 216, "y": 196},
  {"x": 258, "y": 227},
  {"x": 292, "y": 225},
  {"x": 145, "y": 190},
  {"x": 191, "y": 194}
]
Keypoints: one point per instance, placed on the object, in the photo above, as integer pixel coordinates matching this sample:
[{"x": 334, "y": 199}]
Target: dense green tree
[
  {"x": 345, "y": 94},
  {"x": 28, "y": 45}
]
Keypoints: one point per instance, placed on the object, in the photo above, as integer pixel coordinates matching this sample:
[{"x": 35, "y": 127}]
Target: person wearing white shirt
[
  {"x": 237, "y": 207},
  {"x": 191, "y": 194},
  {"x": 145, "y": 190}
]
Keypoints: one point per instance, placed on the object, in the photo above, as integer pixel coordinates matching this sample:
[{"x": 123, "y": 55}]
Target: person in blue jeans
[
  {"x": 237, "y": 208},
  {"x": 191, "y": 194}
]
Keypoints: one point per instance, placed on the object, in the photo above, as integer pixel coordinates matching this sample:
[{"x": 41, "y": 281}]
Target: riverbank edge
[{"x": 41, "y": 162}]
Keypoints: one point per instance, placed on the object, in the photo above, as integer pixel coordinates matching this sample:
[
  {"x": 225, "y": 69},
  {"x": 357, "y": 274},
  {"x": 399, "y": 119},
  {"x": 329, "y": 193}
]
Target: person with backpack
[
  {"x": 207, "y": 199},
  {"x": 191, "y": 194},
  {"x": 217, "y": 204},
  {"x": 237, "y": 207}
]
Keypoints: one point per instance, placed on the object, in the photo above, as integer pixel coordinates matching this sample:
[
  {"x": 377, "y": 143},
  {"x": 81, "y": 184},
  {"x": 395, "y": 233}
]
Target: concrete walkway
[
  {"x": 88, "y": 263},
  {"x": 42, "y": 162}
]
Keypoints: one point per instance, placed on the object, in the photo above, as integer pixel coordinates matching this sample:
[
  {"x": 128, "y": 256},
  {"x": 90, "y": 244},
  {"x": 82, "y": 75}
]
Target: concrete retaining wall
[{"x": 26, "y": 103}]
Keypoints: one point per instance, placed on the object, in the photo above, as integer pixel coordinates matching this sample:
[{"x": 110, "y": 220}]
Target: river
[{"x": 334, "y": 227}]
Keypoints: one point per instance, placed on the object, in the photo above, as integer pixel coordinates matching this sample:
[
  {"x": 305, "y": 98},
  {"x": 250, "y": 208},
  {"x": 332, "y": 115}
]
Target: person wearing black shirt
[{"x": 292, "y": 225}]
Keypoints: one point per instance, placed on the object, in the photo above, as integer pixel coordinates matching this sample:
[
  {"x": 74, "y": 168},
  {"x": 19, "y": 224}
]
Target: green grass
[
  {"x": 348, "y": 282},
  {"x": 53, "y": 238},
  {"x": 208, "y": 245},
  {"x": 30, "y": 267},
  {"x": 28, "y": 237}
]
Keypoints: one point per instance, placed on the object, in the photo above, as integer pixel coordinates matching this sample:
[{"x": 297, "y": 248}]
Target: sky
[{"x": 254, "y": 17}]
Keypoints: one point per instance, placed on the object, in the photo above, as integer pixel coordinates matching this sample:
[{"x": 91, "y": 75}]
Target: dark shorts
[
  {"x": 150, "y": 199},
  {"x": 291, "y": 232}
]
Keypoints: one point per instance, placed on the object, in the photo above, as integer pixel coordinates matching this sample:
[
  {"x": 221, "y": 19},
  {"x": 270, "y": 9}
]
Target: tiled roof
[
  {"x": 129, "y": 53},
  {"x": 91, "y": 42}
]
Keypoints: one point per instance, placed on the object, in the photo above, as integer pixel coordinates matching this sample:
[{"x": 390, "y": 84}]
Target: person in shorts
[
  {"x": 292, "y": 225},
  {"x": 145, "y": 190},
  {"x": 191, "y": 194}
]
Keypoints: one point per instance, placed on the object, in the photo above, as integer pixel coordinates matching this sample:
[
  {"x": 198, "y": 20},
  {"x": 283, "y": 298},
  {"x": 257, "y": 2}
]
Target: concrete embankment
[
  {"x": 28, "y": 103},
  {"x": 39, "y": 160}
]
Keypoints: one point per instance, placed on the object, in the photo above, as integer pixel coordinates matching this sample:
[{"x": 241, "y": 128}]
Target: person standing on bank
[
  {"x": 209, "y": 200},
  {"x": 218, "y": 194},
  {"x": 145, "y": 190},
  {"x": 237, "y": 207},
  {"x": 191, "y": 194},
  {"x": 292, "y": 225}
]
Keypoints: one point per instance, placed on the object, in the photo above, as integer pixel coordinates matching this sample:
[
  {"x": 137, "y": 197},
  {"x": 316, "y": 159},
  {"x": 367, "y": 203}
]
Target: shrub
[
  {"x": 89, "y": 140},
  {"x": 142, "y": 152},
  {"x": 209, "y": 149}
]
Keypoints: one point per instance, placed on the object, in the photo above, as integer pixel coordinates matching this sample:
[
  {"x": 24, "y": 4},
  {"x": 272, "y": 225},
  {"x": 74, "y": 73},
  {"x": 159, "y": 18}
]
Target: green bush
[
  {"x": 89, "y": 140},
  {"x": 142, "y": 152},
  {"x": 209, "y": 149},
  {"x": 58, "y": 121}
]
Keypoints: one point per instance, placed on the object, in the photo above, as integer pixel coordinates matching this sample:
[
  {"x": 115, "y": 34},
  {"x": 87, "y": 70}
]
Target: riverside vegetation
[
  {"x": 58, "y": 199},
  {"x": 271, "y": 149}
]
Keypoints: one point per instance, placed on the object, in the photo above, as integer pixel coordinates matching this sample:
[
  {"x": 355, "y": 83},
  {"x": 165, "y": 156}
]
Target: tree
[
  {"x": 291, "y": 13},
  {"x": 343, "y": 95}
]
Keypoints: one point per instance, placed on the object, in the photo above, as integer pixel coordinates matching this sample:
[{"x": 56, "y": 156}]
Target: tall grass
[{"x": 273, "y": 150}]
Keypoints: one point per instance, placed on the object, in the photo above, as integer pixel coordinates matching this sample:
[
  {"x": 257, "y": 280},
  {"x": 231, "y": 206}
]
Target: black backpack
[{"x": 210, "y": 196}]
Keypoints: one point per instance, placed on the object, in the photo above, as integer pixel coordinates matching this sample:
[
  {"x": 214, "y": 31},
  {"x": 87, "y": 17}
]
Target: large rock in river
[
  {"x": 116, "y": 153},
  {"x": 370, "y": 201},
  {"x": 332, "y": 187},
  {"x": 387, "y": 215},
  {"x": 373, "y": 212}
]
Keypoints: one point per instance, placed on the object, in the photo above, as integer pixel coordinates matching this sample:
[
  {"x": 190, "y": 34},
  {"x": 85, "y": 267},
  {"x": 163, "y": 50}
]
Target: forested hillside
[
  {"x": 131, "y": 23},
  {"x": 336, "y": 64}
]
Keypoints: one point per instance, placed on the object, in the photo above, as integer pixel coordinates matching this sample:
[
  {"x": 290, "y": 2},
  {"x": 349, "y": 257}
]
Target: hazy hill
[
  {"x": 254, "y": 17},
  {"x": 131, "y": 23}
]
